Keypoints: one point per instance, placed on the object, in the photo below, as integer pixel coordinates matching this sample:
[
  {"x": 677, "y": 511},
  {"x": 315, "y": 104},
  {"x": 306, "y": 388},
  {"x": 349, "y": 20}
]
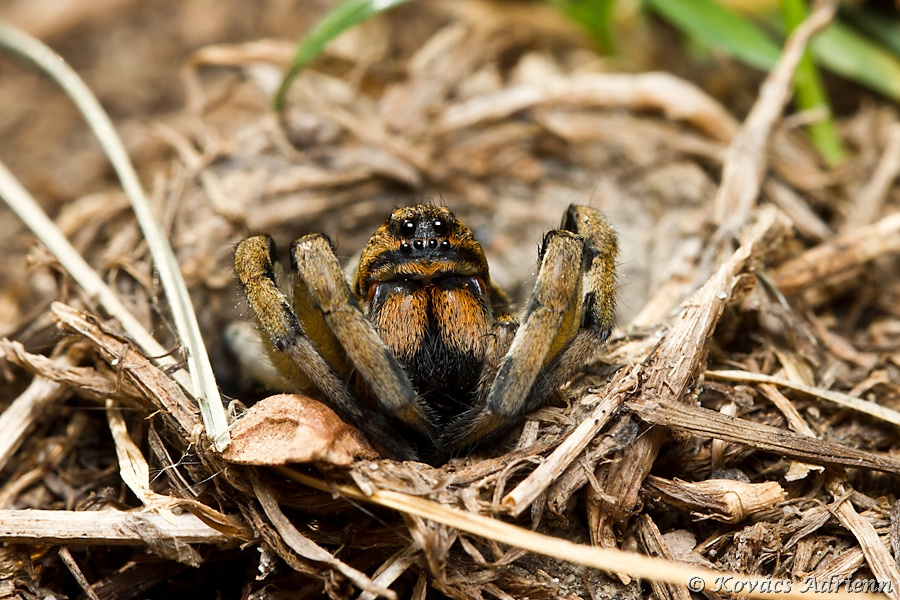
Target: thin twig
[
  {"x": 839, "y": 258},
  {"x": 16, "y": 420},
  {"x": 75, "y": 570},
  {"x": 704, "y": 422},
  {"x": 31, "y": 213},
  {"x": 857, "y": 404},
  {"x": 880, "y": 562},
  {"x": 308, "y": 549},
  {"x": 110, "y": 527},
  {"x": 540, "y": 479},
  {"x": 868, "y": 202},
  {"x": 675, "y": 97}
]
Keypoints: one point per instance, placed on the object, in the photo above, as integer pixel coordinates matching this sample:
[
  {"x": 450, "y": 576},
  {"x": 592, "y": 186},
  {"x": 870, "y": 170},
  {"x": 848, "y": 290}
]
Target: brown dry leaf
[{"x": 291, "y": 428}]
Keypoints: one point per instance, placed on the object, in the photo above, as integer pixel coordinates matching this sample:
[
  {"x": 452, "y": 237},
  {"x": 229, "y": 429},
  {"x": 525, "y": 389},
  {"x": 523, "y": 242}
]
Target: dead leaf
[{"x": 292, "y": 428}]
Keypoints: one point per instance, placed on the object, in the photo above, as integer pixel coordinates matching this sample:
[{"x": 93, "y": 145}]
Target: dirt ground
[{"x": 753, "y": 375}]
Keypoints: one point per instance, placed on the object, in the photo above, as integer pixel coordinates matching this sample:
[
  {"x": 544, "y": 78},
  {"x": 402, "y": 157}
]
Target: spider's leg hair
[
  {"x": 597, "y": 302},
  {"x": 293, "y": 353},
  {"x": 284, "y": 337},
  {"x": 551, "y": 321},
  {"x": 314, "y": 262}
]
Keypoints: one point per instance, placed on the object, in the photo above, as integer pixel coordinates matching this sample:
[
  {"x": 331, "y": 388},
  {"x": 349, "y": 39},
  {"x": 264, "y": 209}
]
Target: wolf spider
[{"x": 421, "y": 351}]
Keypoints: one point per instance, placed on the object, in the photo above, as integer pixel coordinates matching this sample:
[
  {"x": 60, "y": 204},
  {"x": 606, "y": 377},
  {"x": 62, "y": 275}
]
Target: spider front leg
[
  {"x": 289, "y": 348},
  {"x": 308, "y": 346},
  {"x": 320, "y": 279},
  {"x": 569, "y": 316},
  {"x": 597, "y": 310}
]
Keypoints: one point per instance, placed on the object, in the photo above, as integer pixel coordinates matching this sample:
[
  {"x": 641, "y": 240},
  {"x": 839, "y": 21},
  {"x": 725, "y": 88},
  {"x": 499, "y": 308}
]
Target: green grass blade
[
  {"x": 715, "y": 26},
  {"x": 810, "y": 93},
  {"x": 848, "y": 53},
  {"x": 342, "y": 17},
  {"x": 594, "y": 16},
  {"x": 880, "y": 26}
]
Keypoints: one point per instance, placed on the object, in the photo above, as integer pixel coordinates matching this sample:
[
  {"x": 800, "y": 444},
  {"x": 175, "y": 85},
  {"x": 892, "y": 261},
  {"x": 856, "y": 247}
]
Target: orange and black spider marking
[
  {"x": 421, "y": 353},
  {"x": 420, "y": 243}
]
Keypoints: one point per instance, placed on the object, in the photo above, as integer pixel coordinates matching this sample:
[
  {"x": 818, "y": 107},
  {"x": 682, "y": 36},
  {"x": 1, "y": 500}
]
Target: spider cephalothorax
[{"x": 421, "y": 352}]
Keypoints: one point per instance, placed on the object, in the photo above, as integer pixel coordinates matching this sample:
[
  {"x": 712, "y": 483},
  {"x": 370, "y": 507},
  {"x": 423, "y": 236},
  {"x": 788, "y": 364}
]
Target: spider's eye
[
  {"x": 407, "y": 228},
  {"x": 481, "y": 285},
  {"x": 372, "y": 290},
  {"x": 439, "y": 226}
]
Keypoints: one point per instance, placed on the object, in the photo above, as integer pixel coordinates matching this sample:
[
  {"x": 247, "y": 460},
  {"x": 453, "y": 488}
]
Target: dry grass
[{"x": 743, "y": 420}]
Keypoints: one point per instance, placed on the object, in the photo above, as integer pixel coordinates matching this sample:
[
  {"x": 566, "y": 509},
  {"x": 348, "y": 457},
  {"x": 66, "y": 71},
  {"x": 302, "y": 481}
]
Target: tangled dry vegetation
[{"x": 743, "y": 419}]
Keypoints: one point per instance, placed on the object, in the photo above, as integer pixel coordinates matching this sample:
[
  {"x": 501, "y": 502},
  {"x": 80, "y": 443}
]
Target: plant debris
[{"x": 741, "y": 424}]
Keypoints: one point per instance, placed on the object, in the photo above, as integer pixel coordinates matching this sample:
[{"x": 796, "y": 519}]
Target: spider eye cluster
[{"x": 421, "y": 234}]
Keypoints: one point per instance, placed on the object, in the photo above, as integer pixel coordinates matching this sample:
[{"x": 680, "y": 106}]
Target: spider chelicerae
[{"x": 421, "y": 351}]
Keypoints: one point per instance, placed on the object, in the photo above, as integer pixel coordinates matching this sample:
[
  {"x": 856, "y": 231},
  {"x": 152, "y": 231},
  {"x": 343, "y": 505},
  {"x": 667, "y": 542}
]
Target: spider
[{"x": 421, "y": 351}]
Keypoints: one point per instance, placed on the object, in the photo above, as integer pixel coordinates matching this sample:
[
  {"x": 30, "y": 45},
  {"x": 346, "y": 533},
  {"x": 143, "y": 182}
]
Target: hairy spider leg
[
  {"x": 321, "y": 279},
  {"x": 597, "y": 312},
  {"x": 568, "y": 318},
  {"x": 549, "y": 320},
  {"x": 292, "y": 351}
]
